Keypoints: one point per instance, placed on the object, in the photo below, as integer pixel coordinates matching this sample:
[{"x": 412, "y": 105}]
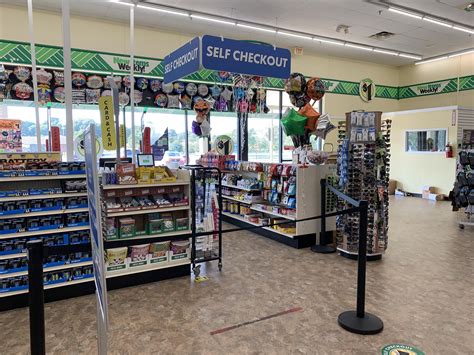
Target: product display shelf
[
  {"x": 147, "y": 211},
  {"x": 42, "y": 177},
  {"x": 236, "y": 200},
  {"x": 240, "y": 188},
  {"x": 51, "y": 286},
  {"x": 147, "y": 268},
  {"x": 55, "y": 188},
  {"x": 47, "y": 269},
  {"x": 150, "y": 272},
  {"x": 43, "y": 232},
  {"x": 142, "y": 185},
  {"x": 307, "y": 205},
  {"x": 45, "y": 213},
  {"x": 39, "y": 197}
]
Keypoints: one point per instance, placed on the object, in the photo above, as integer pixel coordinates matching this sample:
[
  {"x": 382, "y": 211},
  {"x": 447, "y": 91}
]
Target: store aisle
[{"x": 428, "y": 265}]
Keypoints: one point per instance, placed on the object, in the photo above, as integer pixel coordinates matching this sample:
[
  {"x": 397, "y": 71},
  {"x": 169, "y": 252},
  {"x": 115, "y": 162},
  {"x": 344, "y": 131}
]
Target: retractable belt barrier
[{"x": 357, "y": 321}]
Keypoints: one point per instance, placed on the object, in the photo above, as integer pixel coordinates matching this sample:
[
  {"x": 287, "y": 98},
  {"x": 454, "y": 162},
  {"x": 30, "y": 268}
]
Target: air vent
[{"x": 382, "y": 35}]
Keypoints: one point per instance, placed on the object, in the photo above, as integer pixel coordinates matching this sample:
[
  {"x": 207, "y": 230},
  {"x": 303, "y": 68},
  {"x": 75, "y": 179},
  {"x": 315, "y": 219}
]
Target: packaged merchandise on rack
[
  {"x": 462, "y": 195},
  {"x": 363, "y": 170}
]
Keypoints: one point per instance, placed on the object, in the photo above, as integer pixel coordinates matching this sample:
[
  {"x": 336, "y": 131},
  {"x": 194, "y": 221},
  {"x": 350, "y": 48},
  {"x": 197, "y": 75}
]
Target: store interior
[{"x": 212, "y": 197}]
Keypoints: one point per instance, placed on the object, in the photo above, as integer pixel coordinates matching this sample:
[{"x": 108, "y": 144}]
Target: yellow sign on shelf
[
  {"x": 122, "y": 136},
  {"x": 106, "y": 108}
]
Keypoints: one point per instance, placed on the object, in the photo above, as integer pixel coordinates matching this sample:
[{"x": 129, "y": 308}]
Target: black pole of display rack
[
  {"x": 360, "y": 321},
  {"x": 36, "y": 297},
  {"x": 322, "y": 247}
]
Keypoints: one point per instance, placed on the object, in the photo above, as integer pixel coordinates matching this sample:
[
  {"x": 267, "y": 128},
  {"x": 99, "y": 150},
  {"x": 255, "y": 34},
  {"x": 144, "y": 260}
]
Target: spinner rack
[
  {"x": 206, "y": 211},
  {"x": 466, "y": 168}
]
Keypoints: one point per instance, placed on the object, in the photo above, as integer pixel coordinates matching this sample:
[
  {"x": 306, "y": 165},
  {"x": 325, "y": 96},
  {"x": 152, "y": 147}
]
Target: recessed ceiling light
[
  {"x": 461, "y": 53},
  {"x": 358, "y": 47},
  {"x": 163, "y": 10},
  {"x": 256, "y": 28},
  {"x": 328, "y": 41},
  {"x": 409, "y": 56},
  {"x": 406, "y": 13},
  {"x": 210, "y": 19},
  {"x": 464, "y": 29},
  {"x": 294, "y": 35},
  {"x": 431, "y": 60},
  {"x": 432, "y": 20},
  {"x": 385, "y": 52}
]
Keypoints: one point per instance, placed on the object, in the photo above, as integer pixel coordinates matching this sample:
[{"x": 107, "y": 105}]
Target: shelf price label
[{"x": 106, "y": 108}]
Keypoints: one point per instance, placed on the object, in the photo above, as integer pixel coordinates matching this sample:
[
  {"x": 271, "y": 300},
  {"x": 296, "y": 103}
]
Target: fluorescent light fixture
[
  {"x": 409, "y": 56},
  {"x": 210, "y": 19},
  {"x": 431, "y": 60},
  {"x": 256, "y": 28},
  {"x": 329, "y": 41},
  {"x": 432, "y": 20},
  {"x": 294, "y": 35},
  {"x": 385, "y": 52},
  {"x": 464, "y": 29},
  {"x": 163, "y": 10},
  {"x": 403, "y": 12},
  {"x": 358, "y": 47},
  {"x": 461, "y": 53},
  {"x": 122, "y": 3}
]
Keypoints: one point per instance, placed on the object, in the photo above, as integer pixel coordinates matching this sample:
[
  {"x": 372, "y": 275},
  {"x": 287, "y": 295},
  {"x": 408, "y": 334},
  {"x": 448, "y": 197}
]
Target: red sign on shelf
[{"x": 55, "y": 139}]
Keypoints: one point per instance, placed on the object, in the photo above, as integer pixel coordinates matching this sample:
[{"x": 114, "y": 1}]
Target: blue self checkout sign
[
  {"x": 242, "y": 57},
  {"x": 183, "y": 61}
]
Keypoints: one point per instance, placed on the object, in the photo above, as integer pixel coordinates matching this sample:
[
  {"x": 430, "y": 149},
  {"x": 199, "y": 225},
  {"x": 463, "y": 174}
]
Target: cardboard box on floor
[{"x": 429, "y": 193}]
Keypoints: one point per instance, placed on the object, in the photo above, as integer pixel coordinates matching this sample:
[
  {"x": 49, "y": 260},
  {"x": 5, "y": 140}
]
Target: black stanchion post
[
  {"x": 359, "y": 321},
  {"x": 321, "y": 247},
  {"x": 36, "y": 297}
]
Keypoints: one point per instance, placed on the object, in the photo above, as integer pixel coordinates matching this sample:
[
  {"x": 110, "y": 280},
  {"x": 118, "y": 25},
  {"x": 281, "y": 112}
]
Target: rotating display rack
[
  {"x": 462, "y": 195},
  {"x": 363, "y": 170}
]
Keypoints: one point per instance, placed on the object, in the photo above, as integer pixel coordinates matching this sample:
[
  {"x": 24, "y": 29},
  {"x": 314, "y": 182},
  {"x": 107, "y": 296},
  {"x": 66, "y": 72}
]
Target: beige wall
[
  {"x": 444, "y": 69},
  {"x": 414, "y": 170}
]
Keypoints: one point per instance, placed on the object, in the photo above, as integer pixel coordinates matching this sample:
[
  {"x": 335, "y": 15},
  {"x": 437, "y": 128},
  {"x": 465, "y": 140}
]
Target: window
[
  {"x": 430, "y": 140},
  {"x": 263, "y": 131}
]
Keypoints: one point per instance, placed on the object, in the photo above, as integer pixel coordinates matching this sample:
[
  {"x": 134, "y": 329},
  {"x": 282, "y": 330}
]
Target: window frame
[{"x": 446, "y": 130}]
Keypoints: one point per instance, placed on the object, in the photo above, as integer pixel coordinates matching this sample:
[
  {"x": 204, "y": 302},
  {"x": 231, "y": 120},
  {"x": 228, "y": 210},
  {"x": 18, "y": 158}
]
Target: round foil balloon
[
  {"x": 22, "y": 73},
  {"x": 106, "y": 93},
  {"x": 161, "y": 100},
  {"x": 179, "y": 87},
  {"x": 203, "y": 90},
  {"x": 124, "y": 99},
  {"x": 167, "y": 88},
  {"x": 142, "y": 83},
  {"x": 295, "y": 84},
  {"x": 223, "y": 75},
  {"x": 155, "y": 85},
  {"x": 95, "y": 82},
  {"x": 191, "y": 89},
  {"x": 127, "y": 81},
  {"x": 22, "y": 90},
  {"x": 299, "y": 100},
  {"x": 315, "y": 88},
  {"x": 59, "y": 94},
  {"x": 138, "y": 95},
  {"x": 43, "y": 77}
]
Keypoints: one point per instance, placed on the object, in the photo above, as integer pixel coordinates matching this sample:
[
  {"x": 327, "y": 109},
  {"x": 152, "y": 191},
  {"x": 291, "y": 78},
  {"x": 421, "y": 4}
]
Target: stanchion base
[
  {"x": 323, "y": 249},
  {"x": 370, "y": 324},
  {"x": 355, "y": 256}
]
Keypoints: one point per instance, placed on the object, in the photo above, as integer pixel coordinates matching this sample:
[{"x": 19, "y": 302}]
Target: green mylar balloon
[{"x": 293, "y": 123}]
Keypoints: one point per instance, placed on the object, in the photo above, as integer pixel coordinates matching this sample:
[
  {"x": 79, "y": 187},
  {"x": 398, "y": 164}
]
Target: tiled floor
[{"x": 422, "y": 289}]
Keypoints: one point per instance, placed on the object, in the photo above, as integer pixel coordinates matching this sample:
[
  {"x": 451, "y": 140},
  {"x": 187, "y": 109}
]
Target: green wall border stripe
[{"x": 16, "y": 53}]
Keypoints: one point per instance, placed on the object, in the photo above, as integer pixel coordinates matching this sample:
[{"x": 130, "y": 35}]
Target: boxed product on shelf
[
  {"x": 75, "y": 186},
  {"x": 163, "y": 174},
  {"x": 12, "y": 246},
  {"x": 168, "y": 222},
  {"x": 79, "y": 257},
  {"x": 13, "y": 284},
  {"x": 129, "y": 204},
  {"x": 126, "y": 227},
  {"x": 77, "y": 219},
  {"x": 159, "y": 252},
  {"x": 115, "y": 258},
  {"x": 145, "y": 175},
  {"x": 126, "y": 174},
  {"x": 179, "y": 250},
  {"x": 12, "y": 225},
  {"x": 138, "y": 255},
  {"x": 45, "y": 191},
  {"x": 82, "y": 237},
  {"x": 110, "y": 229},
  {"x": 182, "y": 224},
  {"x": 13, "y": 265},
  {"x": 111, "y": 205},
  {"x": 154, "y": 224},
  {"x": 55, "y": 260},
  {"x": 82, "y": 272},
  {"x": 76, "y": 202}
]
